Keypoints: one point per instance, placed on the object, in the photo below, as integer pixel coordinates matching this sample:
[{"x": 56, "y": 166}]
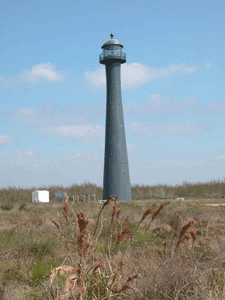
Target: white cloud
[
  {"x": 65, "y": 170},
  {"x": 136, "y": 74},
  {"x": 87, "y": 132},
  {"x": 6, "y": 82},
  {"x": 208, "y": 65},
  {"x": 5, "y": 139},
  {"x": 54, "y": 113},
  {"x": 173, "y": 162},
  {"x": 181, "y": 129},
  {"x": 26, "y": 154},
  {"x": 156, "y": 104},
  {"x": 216, "y": 107},
  {"x": 45, "y": 71},
  {"x": 96, "y": 78},
  {"x": 131, "y": 147},
  {"x": 221, "y": 157},
  {"x": 26, "y": 111}
]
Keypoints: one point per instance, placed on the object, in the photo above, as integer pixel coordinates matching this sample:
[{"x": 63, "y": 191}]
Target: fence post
[
  {"x": 89, "y": 198},
  {"x": 77, "y": 198},
  {"x": 84, "y": 198},
  {"x": 94, "y": 198}
]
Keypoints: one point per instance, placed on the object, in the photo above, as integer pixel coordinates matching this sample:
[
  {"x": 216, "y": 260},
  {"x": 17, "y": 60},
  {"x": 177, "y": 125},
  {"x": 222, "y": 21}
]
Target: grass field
[{"x": 104, "y": 251}]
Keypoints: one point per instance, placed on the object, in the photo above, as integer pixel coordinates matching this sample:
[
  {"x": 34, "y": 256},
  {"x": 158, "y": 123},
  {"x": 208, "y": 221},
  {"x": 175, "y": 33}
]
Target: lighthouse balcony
[{"x": 115, "y": 55}]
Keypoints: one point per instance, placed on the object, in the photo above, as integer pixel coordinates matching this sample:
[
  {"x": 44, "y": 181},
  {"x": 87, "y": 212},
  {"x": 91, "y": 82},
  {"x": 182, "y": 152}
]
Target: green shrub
[
  {"x": 6, "y": 206},
  {"x": 40, "y": 249},
  {"x": 7, "y": 238},
  {"x": 22, "y": 206},
  {"x": 42, "y": 269}
]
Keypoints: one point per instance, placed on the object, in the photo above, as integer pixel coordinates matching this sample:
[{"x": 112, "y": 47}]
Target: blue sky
[{"x": 53, "y": 93}]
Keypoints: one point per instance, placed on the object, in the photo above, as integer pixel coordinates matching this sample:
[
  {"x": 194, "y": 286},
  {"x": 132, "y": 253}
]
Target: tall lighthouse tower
[{"x": 116, "y": 170}]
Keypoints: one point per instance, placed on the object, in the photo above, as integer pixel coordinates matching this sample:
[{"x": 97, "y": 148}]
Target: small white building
[
  {"x": 40, "y": 196},
  {"x": 181, "y": 199}
]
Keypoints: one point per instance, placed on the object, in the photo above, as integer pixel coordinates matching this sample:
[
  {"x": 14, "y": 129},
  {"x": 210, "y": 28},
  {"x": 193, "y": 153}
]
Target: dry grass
[{"x": 64, "y": 259}]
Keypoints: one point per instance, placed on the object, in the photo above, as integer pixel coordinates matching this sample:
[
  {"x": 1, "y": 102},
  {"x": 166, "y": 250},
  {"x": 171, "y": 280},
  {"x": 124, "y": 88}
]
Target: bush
[
  {"x": 41, "y": 270},
  {"x": 22, "y": 206},
  {"x": 6, "y": 206},
  {"x": 40, "y": 249}
]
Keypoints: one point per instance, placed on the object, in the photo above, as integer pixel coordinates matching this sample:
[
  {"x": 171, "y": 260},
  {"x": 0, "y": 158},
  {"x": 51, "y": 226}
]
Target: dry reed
[
  {"x": 183, "y": 232},
  {"x": 114, "y": 209},
  {"x": 107, "y": 202},
  {"x": 145, "y": 214},
  {"x": 156, "y": 214},
  {"x": 99, "y": 265},
  {"x": 117, "y": 219},
  {"x": 117, "y": 215},
  {"x": 62, "y": 270},
  {"x": 194, "y": 237},
  {"x": 164, "y": 247},
  {"x": 126, "y": 285},
  {"x": 68, "y": 286},
  {"x": 66, "y": 207},
  {"x": 55, "y": 223},
  {"x": 122, "y": 233},
  {"x": 83, "y": 223}
]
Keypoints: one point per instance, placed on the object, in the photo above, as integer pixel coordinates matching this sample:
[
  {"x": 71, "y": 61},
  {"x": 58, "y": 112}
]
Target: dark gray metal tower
[{"x": 116, "y": 170}]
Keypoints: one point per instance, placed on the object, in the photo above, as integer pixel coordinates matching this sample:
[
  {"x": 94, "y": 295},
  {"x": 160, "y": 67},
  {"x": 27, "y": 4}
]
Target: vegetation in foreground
[{"x": 137, "y": 250}]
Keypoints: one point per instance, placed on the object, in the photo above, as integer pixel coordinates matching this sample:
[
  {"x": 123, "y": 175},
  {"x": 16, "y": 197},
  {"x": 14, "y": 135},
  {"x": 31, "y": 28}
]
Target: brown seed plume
[
  {"x": 156, "y": 214},
  {"x": 145, "y": 214},
  {"x": 185, "y": 228},
  {"x": 158, "y": 211},
  {"x": 54, "y": 222},
  {"x": 80, "y": 278},
  {"x": 130, "y": 278},
  {"x": 117, "y": 215},
  {"x": 122, "y": 233},
  {"x": 164, "y": 247},
  {"x": 126, "y": 285},
  {"x": 80, "y": 243},
  {"x": 107, "y": 202},
  {"x": 66, "y": 207},
  {"x": 126, "y": 219},
  {"x": 59, "y": 218},
  {"x": 82, "y": 221},
  {"x": 187, "y": 236},
  {"x": 114, "y": 209},
  {"x": 194, "y": 237},
  {"x": 175, "y": 234},
  {"x": 99, "y": 265}
]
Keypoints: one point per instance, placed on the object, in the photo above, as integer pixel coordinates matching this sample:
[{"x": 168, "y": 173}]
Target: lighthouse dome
[{"x": 111, "y": 42}]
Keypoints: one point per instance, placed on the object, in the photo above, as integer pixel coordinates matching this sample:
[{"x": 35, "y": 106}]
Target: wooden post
[
  {"x": 77, "y": 198},
  {"x": 94, "y": 198},
  {"x": 84, "y": 198},
  {"x": 89, "y": 198}
]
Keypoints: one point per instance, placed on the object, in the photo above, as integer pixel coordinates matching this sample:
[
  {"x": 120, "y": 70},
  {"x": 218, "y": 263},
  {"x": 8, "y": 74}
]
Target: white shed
[{"x": 40, "y": 196}]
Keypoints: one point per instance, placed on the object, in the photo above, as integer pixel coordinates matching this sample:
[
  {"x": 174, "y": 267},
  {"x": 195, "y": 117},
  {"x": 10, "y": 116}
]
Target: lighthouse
[{"x": 116, "y": 178}]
